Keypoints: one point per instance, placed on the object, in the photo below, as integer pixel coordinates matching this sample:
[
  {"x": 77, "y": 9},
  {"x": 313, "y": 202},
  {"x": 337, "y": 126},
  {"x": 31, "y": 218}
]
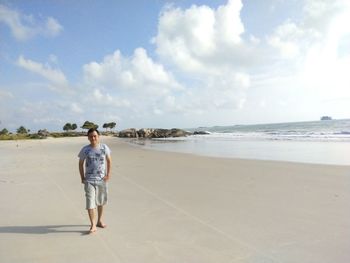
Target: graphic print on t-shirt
[{"x": 95, "y": 164}]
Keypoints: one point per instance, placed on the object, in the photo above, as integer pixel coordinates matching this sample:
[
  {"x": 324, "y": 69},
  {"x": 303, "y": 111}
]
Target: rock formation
[
  {"x": 152, "y": 133},
  {"x": 201, "y": 133},
  {"x": 128, "y": 133}
]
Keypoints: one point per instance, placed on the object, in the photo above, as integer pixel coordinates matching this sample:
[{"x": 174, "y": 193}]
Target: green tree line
[{"x": 67, "y": 127}]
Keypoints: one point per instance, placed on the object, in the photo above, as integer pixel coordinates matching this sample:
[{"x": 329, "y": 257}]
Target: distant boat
[{"x": 326, "y": 118}]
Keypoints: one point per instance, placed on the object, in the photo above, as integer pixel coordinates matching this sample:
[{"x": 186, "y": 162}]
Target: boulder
[
  {"x": 128, "y": 133},
  {"x": 43, "y": 133},
  {"x": 161, "y": 133},
  {"x": 201, "y": 133},
  {"x": 145, "y": 133},
  {"x": 152, "y": 133},
  {"x": 179, "y": 133}
]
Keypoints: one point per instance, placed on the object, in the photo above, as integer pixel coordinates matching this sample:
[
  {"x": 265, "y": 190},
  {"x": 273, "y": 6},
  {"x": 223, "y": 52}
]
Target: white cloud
[
  {"x": 105, "y": 99},
  {"x": 303, "y": 61},
  {"x": 229, "y": 25},
  {"x": 52, "y": 27},
  {"x": 55, "y": 76},
  {"x": 325, "y": 65},
  {"x": 75, "y": 108},
  {"x": 286, "y": 39},
  {"x": 24, "y": 27},
  {"x": 305, "y": 71},
  {"x": 225, "y": 92},
  {"x": 138, "y": 73},
  {"x": 207, "y": 46},
  {"x": 196, "y": 40},
  {"x": 199, "y": 39},
  {"x": 319, "y": 14}
]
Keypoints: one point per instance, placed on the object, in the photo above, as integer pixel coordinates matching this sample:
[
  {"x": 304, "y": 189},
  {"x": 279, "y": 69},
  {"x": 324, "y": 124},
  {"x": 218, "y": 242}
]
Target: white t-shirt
[{"x": 95, "y": 161}]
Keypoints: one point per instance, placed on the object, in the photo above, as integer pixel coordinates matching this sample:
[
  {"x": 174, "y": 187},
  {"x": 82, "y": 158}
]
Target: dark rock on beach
[
  {"x": 145, "y": 133},
  {"x": 201, "y": 133},
  {"x": 152, "y": 133},
  {"x": 128, "y": 133},
  {"x": 43, "y": 133}
]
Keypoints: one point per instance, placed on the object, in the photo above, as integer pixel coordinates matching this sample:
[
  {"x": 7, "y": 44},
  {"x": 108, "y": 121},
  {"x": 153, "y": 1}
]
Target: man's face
[{"x": 93, "y": 138}]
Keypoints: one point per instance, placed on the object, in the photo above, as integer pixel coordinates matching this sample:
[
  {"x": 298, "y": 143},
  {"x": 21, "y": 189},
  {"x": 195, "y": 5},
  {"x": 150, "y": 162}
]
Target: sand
[{"x": 170, "y": 207}]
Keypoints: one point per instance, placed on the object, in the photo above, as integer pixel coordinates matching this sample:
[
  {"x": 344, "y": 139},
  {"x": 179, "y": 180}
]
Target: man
[{"x": 97, "y": 172}]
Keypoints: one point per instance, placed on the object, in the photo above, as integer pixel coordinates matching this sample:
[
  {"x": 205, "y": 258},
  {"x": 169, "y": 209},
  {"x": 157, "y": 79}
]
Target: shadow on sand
[{"x": 50, "y": 229}]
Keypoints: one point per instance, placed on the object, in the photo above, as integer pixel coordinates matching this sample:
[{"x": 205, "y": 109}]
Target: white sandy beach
[{"x": 170, "y": 207}]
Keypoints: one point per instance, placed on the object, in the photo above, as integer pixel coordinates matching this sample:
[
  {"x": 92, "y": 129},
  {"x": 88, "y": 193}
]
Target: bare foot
[
  {"x": 101, "y": 225},
  {"x": 92, "y": 229}
]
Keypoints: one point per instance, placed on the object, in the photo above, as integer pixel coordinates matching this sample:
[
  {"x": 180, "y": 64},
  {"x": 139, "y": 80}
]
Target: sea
[{"x": 319, "y": 142}]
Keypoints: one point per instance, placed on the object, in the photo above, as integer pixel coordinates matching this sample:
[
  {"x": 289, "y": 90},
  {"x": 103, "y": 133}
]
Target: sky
[{"x": 172, "y": 64}]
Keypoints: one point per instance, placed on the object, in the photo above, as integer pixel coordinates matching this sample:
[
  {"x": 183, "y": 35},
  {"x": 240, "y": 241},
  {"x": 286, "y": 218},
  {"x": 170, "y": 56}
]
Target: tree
[
  {"x": 74, "y": 126},
  {"x": 67, "y": 127},
  {"x": 4, "y": 131},
  {"x": 112, "y": 125},
  {"x": 88, "y": 125},
  {"x": 22, "y": 130},
  {"x": 105, "y": 126},
  {"x": 109, "y": 125}
]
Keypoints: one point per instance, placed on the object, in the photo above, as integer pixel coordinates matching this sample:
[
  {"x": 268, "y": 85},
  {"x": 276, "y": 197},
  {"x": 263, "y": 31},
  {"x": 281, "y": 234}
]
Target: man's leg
[
  {"x": 90, "y": 205},
  {"x": 92, "y": 216},
  {"x": 99, "y": 217},
  {"x": 101, "y": 201}
]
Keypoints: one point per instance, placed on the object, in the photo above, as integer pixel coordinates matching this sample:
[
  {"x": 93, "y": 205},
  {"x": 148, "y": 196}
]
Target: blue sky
[{"x": 158, "y": 63}]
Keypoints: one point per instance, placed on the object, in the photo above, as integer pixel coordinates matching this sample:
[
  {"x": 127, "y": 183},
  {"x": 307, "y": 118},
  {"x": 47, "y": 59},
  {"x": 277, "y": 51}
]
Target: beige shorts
[{"x": 95, "y": 193}]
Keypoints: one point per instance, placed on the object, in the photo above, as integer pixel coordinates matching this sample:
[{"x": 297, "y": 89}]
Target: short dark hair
[{"x": 92, "y": 130}]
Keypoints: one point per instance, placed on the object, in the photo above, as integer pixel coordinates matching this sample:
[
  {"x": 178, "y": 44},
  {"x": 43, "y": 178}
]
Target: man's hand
[
  {"x": 106, "y": 178},
  {"x": 81, "y": 171}
]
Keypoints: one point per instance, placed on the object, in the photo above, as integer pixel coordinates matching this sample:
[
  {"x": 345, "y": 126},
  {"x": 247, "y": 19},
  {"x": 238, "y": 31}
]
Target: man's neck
[{"x": 94, "y": 145}]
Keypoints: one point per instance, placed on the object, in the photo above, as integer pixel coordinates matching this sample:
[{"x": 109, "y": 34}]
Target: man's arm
[
  {"x": 109, "y": 164},
  {"x": 81, "y": 170}
]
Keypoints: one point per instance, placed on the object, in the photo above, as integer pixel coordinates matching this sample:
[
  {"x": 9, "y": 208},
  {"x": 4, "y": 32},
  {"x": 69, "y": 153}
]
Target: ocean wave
[
  {"x": 342, "y": 132},
  {"x": 297, "y": 136}
]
